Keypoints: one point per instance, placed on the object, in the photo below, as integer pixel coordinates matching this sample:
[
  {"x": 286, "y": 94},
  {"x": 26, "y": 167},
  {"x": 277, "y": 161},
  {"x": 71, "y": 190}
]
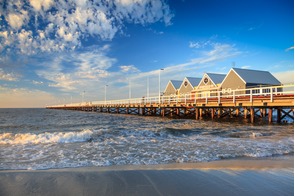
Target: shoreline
[
  {"x": 243, "y": 163},
  {"x": 224, "y": 164},
  {"x": 244, "y": 176}
]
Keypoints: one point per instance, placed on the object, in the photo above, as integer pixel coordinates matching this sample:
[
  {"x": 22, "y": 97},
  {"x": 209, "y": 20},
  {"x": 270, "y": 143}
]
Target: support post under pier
[
  {"x": 252, "y": 115},
  {"x": 279, "y": 115},
  {"x": 270, "y": 115},
  {"x": 197, "y": 113}
]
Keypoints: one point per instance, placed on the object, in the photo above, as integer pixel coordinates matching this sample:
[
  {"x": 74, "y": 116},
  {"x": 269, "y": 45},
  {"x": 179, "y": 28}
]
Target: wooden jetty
[{"x": 275, "y": 103}]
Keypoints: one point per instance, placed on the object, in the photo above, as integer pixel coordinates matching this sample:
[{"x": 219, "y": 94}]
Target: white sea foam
[
  {"x": 254, "y": 135},
  {"x": 47, "y": 137},
  {"x": 109, "y": 148}
]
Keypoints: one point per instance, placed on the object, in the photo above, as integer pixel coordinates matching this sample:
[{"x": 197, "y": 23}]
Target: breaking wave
[{"x": 45, "y": 138}]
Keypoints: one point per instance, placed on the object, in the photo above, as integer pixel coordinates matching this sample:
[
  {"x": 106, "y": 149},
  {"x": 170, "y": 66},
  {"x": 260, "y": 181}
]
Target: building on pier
[
  {"x": 172, "y": 88},
  {"x": 238, "y": 78},
  {"x": 188, "y": 85},
  {"x": 209, "y": 85}
]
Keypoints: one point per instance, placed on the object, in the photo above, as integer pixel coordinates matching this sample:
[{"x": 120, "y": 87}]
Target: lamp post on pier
[
  {"x": 148, "y": 87},
  {"x": 83, "y": 94},
  {"x": 160, "y": 85},
  {"x": 105, "y": 94},
  {"x": 129, "y": 84}
]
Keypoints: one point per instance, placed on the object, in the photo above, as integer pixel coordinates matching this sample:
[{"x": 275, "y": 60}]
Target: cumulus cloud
[
  {"x": 15, "y": 21},
  {"x": 33, "y": 26},
  {"x": 40, "y": 5}
]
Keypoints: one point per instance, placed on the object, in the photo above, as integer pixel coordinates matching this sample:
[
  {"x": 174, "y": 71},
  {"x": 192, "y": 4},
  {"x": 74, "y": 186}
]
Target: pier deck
[{"x": 256, "y": 103}]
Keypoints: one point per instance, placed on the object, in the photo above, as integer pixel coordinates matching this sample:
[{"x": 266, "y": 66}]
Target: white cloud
[
  {"x": 54, "y": 74},
  {"x": 246, "y": 67},
  {"x": 290, "y": 48},
  {"x": 17, "y": 18},
  {"x": 63, "y": 81},
  {"x": 60, "y": 25},
  {"x": 93, "y": 64},
  {"x": 8, "y": 76},
  {"x": 202, "y": 44},
  {"x": 86, "y": 69},
  {"x": 37, "y": 82},
  {"x": 214, "y": 52},
  {"x": 36, "y": 4},
  {"x": 221, "y": 51},
  {"x": 39, "y": 5},
  {"x": 15, "y": 21},
  {"x": 194, "y": 45},
  {"x": 129, "y": 68},
  {"x": 217, "y": 52}
]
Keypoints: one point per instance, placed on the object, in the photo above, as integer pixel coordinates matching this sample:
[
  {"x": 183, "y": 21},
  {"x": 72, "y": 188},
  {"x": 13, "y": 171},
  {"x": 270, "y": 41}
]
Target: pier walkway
[{"x": 275, "y": 103}]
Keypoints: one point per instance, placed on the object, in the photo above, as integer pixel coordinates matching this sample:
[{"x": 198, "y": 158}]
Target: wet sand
[{"x": 272, "y": 176}]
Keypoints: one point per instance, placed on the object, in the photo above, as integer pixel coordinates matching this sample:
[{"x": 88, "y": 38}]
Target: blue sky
[{"x": 54, "y": 52}]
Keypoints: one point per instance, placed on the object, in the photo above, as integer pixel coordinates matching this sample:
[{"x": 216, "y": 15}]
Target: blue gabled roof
[
  {"x": 257, "y": 77},
  {"x": 176, "y": 83},
  {"x": 194, "y": 81},
  {"x": 216, "y": 78}
]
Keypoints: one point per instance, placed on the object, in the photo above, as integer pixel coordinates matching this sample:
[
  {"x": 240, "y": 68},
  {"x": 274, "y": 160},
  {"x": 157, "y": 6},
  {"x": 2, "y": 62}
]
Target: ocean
[{"x": 37, "y": 139}]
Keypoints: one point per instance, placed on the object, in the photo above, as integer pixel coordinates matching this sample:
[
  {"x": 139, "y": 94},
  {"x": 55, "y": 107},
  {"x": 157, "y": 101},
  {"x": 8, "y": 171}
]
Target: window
[
  {"x": 266, "y": 90},
  {"x": 255, "y": 91}
]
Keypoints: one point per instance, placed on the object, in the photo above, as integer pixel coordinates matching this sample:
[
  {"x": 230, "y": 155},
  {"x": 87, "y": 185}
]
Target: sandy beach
[{"x": 271, "y": 176}]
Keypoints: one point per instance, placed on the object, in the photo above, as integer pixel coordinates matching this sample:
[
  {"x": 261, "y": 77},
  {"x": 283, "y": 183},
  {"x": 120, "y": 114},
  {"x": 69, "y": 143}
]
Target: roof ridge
[{"x": 250, "y": 69}]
